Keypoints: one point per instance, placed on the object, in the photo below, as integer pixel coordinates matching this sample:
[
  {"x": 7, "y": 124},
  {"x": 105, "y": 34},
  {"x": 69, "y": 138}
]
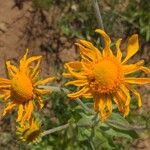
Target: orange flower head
[
  {"x": 103, "y": 76},
  {"x": 30, "y": 132},
  {"x": 21, "y": 90}
]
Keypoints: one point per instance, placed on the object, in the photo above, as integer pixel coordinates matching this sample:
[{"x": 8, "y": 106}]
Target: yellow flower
[
  {"x": 104, "y": 76},
  {"x": 30, "y": 132},
  {"x": 22, "y": 89}
]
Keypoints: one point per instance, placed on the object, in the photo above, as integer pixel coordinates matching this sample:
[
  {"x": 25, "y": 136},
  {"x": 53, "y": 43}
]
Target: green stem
[
  {"x": 98, "y": 14},
  {"x": 84, "y": 106},
  {"x": 98, "y": 17},
  {"x": 55, "y": 129},
  {"x": 62, "y": 127},
  {"x": 92, "y": 145}
]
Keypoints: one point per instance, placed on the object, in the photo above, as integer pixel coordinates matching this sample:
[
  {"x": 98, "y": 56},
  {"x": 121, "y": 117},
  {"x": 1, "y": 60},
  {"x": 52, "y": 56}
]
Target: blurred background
[{"x": 50, "y": 28}]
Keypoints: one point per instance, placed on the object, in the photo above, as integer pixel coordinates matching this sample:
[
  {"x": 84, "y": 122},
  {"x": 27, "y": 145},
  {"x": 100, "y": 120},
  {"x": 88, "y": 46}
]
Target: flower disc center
[
  {"x": 22, "y": 89},
  {"x": 32, "y": 134},
  {"x": 108, "y": 76}
]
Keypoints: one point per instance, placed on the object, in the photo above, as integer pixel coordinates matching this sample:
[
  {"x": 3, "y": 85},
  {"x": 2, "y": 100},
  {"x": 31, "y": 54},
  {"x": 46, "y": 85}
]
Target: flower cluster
[
  {"x": 101, "y": 76},
  {"x": 21, "y": 90}
]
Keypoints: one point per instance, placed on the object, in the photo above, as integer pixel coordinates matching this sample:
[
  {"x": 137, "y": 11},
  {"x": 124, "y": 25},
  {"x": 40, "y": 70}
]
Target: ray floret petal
[
  {"x": 105, "y": 77},
  {"x": 22, "y": 88}
]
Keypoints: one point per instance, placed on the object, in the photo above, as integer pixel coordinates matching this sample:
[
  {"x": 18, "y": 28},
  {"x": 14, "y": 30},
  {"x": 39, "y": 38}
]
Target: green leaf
[
  {"x": 118, "y": 133},
  {"x": 101, "y": 140},
  {"x": 85, "y": 120},
  {"x": 117, "y": 120},
  {"x": 83, "y": 134}
]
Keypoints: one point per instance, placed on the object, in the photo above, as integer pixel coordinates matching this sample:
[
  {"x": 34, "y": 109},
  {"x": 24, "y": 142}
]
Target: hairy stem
[
  {"x": 55, "y": 129},
  {"x": 84, "y": 106},
  {"x": 99, "y": 18},
  {"x": 98, "y": 14}
]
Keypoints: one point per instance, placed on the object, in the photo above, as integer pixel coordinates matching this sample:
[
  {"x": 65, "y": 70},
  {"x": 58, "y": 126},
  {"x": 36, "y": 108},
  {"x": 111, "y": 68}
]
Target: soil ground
[{"x": 24, "y": 28}]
